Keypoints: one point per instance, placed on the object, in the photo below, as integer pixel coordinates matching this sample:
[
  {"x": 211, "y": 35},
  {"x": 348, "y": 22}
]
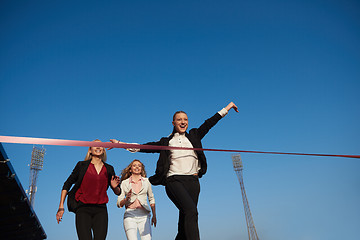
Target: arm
[
  {"x": 126, "y": 200},
  {"x": 61, "y": 209},
  {"x": 117, "y": 141},
  {"x": 152, "y": 203},
  {"x": 115, "y": 182},
  {"x": 158, "y": 143},
  {"x": 73, "y": 177},
  {"x": 209, "y": 123},
  {"x": 124, "y": 196},
  {"x": 134, "y": 150},
  {"x": 153, "y": 219},
  {"x": 66, "y": 187}
]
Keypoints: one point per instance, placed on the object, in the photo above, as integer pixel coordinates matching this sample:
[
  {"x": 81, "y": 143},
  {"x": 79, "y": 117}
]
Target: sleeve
[
  {"x": 150, "y": 194},
  {"x": 72, "y": 178},
  {"x": 121, "y": 196},
  {"x": 208, "y": 124},
  {"x": 158, "y": 143},
  {"x": 111, "y": 173},
  {"x": 133, "y": 150},
  {"x": 223, "y": 112}
]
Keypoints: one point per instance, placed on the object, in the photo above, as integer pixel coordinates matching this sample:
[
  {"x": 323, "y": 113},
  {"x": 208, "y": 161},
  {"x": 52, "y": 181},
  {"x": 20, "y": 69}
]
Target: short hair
[{"x": 177, "y": 113}]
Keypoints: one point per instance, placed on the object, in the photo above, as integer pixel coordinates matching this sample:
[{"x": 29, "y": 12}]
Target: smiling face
[
  {"x": 136, "y": 168},
  {"x": 97, "y": 151},
  {"x": 180, "y": 122}
]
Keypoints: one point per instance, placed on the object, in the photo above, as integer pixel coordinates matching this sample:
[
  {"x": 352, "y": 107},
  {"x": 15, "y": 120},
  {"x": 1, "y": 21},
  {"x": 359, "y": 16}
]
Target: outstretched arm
[
  {"x": 209, "y": 123},
  {"x": 133, "y": 150},
  {"x": 114, "y": 141}
]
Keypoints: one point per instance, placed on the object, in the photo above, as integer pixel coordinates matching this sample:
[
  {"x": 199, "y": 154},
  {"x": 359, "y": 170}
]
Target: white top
[
  {"x": 182, "y": 162},
  {"x": 143, "y": 195}
]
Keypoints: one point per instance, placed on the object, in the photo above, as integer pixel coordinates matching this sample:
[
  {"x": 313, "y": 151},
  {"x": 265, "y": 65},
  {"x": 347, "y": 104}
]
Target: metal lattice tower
[
  {"x": 238, "y": 167},
  {"x": 36, "y": 165}
]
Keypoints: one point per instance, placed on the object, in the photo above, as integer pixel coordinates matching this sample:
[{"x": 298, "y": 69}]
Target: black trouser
[
  {"x": 184, "y": 191},
  {"x": 91, "y": 217}
]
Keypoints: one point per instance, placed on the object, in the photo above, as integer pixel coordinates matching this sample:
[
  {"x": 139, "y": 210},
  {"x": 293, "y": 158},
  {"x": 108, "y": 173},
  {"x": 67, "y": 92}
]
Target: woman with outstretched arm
[{"x": 179, "y": 170}]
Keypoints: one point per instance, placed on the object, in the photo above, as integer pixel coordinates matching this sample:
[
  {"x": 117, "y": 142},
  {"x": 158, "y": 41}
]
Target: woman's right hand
[
  {"x": 114, "y": 141},
  {"x": 128, "y": 196},
  {"x": 59, "y": 214},
  {"x": 126, "y": 200},
  {"x": 133, "y": 150}
]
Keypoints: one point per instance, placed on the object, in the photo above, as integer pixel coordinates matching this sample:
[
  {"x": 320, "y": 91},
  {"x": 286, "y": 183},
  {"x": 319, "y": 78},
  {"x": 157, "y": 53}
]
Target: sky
[{"x": 85, "y": 70}]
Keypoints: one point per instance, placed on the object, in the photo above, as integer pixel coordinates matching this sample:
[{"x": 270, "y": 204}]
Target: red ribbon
[{"x": 61, "y": 142}]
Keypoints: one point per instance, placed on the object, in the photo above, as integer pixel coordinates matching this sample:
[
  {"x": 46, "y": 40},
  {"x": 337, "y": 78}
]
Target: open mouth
[{"x": 99, "y": 151}]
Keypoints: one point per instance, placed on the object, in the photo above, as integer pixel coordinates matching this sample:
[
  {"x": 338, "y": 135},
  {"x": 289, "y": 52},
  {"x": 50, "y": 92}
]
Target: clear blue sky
[{"x": 82, "y": 70}]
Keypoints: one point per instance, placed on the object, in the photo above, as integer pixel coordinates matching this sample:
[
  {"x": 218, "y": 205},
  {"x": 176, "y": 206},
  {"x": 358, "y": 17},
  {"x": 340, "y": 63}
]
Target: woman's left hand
[
  {"x": 115, "y": 181},
  {"x": 230, "y": 106},
  {"x": 153, "y": 221}
]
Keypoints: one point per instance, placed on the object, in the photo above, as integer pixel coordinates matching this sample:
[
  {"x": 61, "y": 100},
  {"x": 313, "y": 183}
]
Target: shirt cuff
[
  {"x": 223, "y": 112},
  {"x": 133, "y": 150}
]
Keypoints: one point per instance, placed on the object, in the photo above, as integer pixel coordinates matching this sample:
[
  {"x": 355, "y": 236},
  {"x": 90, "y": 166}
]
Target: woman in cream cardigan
[{"x": 135, "y": 191}]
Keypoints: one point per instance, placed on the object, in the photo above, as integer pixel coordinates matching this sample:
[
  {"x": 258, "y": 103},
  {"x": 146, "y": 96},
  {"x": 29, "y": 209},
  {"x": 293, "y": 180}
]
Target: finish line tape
[{"x": 61, "y": 142}]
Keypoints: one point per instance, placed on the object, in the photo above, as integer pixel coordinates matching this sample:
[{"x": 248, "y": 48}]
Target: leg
[
  {"x": 130, "y": 227},
  {"x": 83, "y": 223},
  {"x": 144, "y": 227},
  {"x": 181, "y": 227},
  {"x": 184, "y": 191},
  {"x": 100, "y": 223}
]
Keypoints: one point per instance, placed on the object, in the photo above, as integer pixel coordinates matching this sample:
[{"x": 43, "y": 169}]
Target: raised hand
[
  {"x": 230, "y": 106},
  {"x": 115, "y": 181},
  {"x": 128, "y": 196}
]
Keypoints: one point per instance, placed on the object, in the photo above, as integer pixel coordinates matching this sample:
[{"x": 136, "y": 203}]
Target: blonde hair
[
  {"x": 88, "y": 156},
  {"x": 126, "y": 172}
]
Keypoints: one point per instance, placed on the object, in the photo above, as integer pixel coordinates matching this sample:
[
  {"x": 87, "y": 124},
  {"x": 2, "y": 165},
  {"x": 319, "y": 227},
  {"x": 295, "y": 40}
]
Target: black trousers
[
  {"x": 91, "y": 220},
  {"x": 184, "y": 192}
]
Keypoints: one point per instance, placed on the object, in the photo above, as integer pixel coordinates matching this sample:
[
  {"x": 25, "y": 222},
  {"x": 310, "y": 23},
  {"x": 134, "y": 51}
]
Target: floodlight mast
[
  {"x": 238, "y": 167},
  {"x": 36, "y": 165}
]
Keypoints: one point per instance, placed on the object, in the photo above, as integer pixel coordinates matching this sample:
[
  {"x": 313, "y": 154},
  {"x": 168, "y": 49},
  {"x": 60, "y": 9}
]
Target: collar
[
  {"x": 131, "y": 179},
  {"x": 179, "y": 135}
]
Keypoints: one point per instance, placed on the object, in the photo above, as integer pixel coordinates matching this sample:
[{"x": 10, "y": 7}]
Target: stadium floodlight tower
[
  {"x": 36, "y": 165},
  {"x": 238, "y": 167}
]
